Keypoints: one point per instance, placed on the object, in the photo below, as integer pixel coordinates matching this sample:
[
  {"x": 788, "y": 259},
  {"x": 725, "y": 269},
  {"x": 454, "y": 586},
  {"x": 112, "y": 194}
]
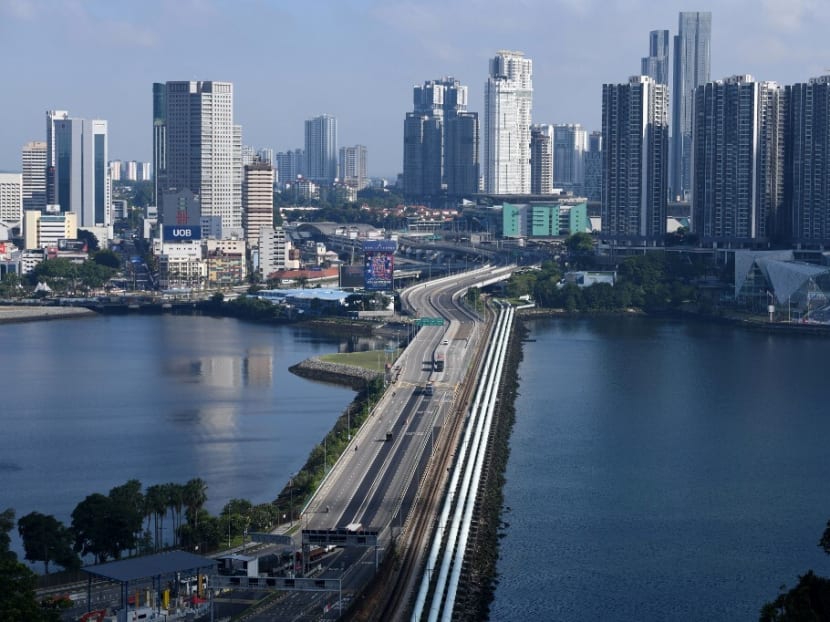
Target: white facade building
[
  {"x": 11, "y": 198},
  {"x": 275, "y": 251},
  {"x": 43, "y": 229},
  {"x": 257, "y": 200},
  {"x": 34, "y": 175},
  {"x": 508, "y": 102},
  {"x": 202, "y": 149}
]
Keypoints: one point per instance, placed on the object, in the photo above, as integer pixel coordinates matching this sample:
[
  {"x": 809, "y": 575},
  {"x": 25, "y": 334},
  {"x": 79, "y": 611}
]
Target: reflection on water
[{"x": 158, "y": 399}]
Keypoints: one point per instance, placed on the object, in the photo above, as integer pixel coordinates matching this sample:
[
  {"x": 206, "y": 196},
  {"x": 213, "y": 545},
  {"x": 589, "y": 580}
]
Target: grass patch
[{"x": 373, "y": 360}]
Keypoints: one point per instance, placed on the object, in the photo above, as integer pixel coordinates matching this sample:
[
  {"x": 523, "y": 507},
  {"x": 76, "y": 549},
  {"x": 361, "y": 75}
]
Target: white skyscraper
[
  {"x": 34, "y": 175},
  {"x": 508, "y": 101},
  {"x": 202, "y": 151}
]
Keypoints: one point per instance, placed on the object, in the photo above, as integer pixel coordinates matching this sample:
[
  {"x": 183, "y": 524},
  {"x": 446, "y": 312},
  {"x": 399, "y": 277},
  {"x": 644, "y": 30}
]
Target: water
[
  {"x": 663, "y": 471},
  {"x": 89, "y": 403}
]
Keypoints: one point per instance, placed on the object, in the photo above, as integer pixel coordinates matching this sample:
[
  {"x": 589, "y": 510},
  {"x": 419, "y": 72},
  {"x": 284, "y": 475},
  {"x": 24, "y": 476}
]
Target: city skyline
[{"x": 400, "y": 43}]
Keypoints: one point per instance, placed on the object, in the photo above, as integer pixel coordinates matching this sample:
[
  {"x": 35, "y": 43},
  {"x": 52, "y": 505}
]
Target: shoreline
[{"x": 10, "y": 314}]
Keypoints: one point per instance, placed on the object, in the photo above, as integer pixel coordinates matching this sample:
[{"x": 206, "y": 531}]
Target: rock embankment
[
  {"x": 336, "y": 373},
  {"x": 34, "y": 314}
]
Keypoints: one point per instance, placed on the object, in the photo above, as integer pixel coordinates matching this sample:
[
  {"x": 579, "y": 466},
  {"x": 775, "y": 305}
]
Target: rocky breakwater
[{"x": 336, "y": 373}]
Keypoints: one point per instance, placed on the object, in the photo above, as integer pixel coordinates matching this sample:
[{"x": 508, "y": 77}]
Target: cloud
[
  {"x": 19, "y": 9},
  {"x": 789, "y": 15}
]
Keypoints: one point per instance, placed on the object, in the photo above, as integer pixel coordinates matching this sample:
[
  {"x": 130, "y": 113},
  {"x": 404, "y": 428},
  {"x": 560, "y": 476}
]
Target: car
[{"x": 445, "y": 342}]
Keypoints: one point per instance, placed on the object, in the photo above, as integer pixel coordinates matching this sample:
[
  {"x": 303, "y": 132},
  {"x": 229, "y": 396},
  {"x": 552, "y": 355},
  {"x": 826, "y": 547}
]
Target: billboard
[
  {"x": 181, "y": 233},
  {"x": 351, "y": 276},
  {"x": 378, "y": 264},
  {"x": 75, "y": 246}
]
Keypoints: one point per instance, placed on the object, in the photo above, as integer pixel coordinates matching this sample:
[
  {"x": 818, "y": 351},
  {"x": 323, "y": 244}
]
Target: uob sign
[{"x": 177, "y": 233}]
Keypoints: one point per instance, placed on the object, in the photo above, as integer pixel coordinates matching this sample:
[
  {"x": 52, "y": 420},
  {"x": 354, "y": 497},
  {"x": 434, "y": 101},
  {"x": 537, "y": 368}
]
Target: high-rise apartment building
[
  {"x": 77, "y": 173},
  {"x": 289, "y": 165},
  {"x": 541, "y": 159},
  {"x": 691, "y": 69},
  {"x": 257, "y": 200},
  {"x": 461, "y": 164},
  {"x": 738, "y": 162},
  {"x": 808, "y": 163},
  {"x": 430, "y": 135},
  {"x": 353, "y": 169},
  {"x": 34, "y": 175},
  {"x": 508, "y": 103},
  {"x": 593, "y": 167},
  {"x": 570, "y": 141},
  {"x": 201, "y": 149},
  {"x": 635, "y": 158},
  {"x": 11, "y": 198},
  {"x": 656, "y": 64},
  {"x": 321, "y": 149}
]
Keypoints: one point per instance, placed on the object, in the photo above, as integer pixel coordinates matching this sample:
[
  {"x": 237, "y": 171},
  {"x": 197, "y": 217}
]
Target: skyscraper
[
  {"x": 635, "y": 157},
  {"x": 290, "y": 164},
  {"x": 508, "y": 102},
  {"x": 691, "y": 69},
  {"x": 321, "y": 149},
  {"x": 202, "y": 149},
  {"x": 570, "y": 141},
  {"x": 656, "y": 64},
  {"x": 429, "y": 132},
  {"x": 353, "y": 166},
  {"x": 34, "y": 175},
  {"x": 541, "y": 159},
  {"x": 11, "y": 198},
  {"x": 257, "y": 200},
  {"x": 461, "y": 165},
  {"x": 738, "y": 161},
  {"x": 593, "y": 167},
  {"x": 808, "y": 162},
  {"x": 77, "y": 174},
  {"x": 159, "y": 138}
]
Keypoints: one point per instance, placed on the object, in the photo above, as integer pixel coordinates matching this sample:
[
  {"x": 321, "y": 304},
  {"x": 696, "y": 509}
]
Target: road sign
[{"x": 429, "y": 321}]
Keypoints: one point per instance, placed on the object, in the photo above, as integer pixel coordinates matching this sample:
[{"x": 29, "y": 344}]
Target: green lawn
[{"x": 373, "y": 359}]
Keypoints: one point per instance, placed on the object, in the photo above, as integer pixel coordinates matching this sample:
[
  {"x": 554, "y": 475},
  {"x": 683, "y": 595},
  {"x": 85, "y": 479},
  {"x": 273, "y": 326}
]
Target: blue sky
[{"x": 357, "y": 59}]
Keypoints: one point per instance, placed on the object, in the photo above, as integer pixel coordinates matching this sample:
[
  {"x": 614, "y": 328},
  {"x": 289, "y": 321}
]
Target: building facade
[
  {"x": 202, "y": 148},
  {"x": 353, "y": 166},
  {"x": 11, "y": 198},
  {"x": 289, "y": 164},
  {"x": 257, "y": 200},
  {"x": 738, "y": 162},
  {"x": 541, "y": 159},
  {"x": 692, "y": 55},
  {"x": 593, "y": 167},
  {"x": 808, "y": 163},
  {"x": 656, "y": 64},
  {"x": 321, "y": 149},
  {"x": 77, "y": 175},
  {"x": 508, "y": 103},
  {"x": 635, "y": 162},
  {"x": 461, "y": 159},
  {"x": 34, "y": 175},
  {"x": 570, "y": 142}
]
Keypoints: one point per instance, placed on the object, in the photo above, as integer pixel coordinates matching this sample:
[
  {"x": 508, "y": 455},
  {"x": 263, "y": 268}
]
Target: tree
[
  {"x": 128, "y": 512},
  {"x": 92, "y": 528},
  {"x": 195, "y": 496},
  {"x": 580, "y": 243},
  {"x": 90, "y": 238},
  {"x": 155, "y": 504},
  {"x": 46, "y": 539},
  {"x": 17, "y": 583},
  {"x": 107, "y": 258},
  {"x": 808, "y": 601}
]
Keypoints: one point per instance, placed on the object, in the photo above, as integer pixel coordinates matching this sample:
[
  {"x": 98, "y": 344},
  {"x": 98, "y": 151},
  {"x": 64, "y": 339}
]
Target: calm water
[
  {"x": 663, "y": 471},
  {"x": 89, "y": 403}
]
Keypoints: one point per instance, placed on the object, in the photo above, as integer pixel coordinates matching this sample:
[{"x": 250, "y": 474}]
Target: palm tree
[
  {"x": 195, "y": 496},
  {"x": 175, "y": 501},
  {"x": 156, "y": 505}
]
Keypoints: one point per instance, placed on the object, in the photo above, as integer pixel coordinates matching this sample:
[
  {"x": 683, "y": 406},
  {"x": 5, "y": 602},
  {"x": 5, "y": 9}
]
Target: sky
[{"x": 357, "y": 59}]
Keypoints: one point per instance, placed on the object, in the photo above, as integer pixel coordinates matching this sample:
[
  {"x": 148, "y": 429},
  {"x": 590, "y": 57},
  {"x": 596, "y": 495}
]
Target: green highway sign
[{"x": 429, "y": 321}]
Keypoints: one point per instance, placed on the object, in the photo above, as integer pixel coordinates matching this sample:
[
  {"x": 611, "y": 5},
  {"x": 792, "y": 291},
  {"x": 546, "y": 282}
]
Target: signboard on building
[
  {"x": 181, "y": 233},
  {"x": 74, "y": 246},
  {"x": 378, "y": 264},
  {"x": 351, "y": 276}
]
